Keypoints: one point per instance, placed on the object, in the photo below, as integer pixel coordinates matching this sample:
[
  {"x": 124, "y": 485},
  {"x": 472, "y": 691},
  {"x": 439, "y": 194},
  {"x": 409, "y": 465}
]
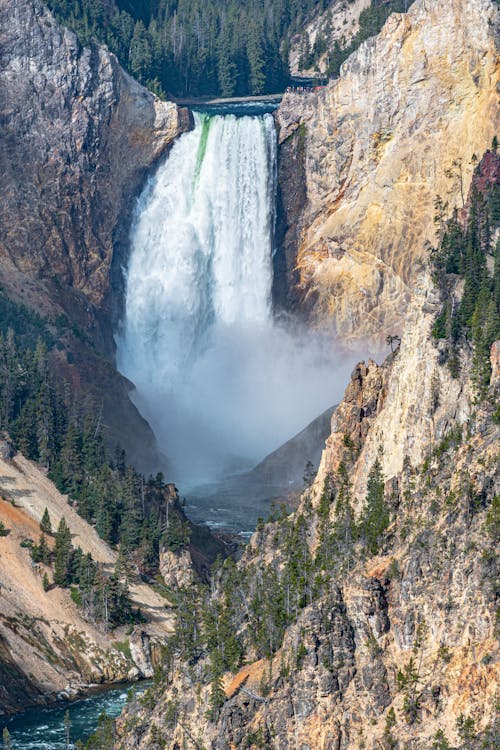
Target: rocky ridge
[
  {"x": 403, "y": 644},
  {"x": 398, "y": 127},
  {"x": 48, "y": 650},
  {"x": 339, "y": 21},
  {"x": 79, "y": 134}
]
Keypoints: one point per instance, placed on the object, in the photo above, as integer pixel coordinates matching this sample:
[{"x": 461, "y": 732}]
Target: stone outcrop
[
  {"x": 495, "y": 363},
  {"x": 48, "y": 650},
  {"x": 405, "y": 413},
  {"x": 78, "y": 135},
  {"x": 176, "y": 568},
  {"x": 398, "y": 127},
  {"x": 339, "y": 22}
]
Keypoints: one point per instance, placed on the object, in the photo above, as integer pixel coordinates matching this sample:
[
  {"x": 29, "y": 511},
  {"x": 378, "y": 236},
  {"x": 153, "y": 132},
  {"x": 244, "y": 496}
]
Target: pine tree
[
  {"x": 124, "y": 566},
  {"x": 140, "y": 56},
  {"x": 217, "y": 696},
  {"x": 62, "y": 554},
  {"x": 375, "y": 516},
  {"x": 45, "y": 523},
  {"x": 41, "y": 552},
  {"x": 256, "y": 61}
]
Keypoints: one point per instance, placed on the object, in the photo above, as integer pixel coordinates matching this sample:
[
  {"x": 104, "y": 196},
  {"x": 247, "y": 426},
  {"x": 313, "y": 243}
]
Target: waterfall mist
[{"x": 220, "y": 381}]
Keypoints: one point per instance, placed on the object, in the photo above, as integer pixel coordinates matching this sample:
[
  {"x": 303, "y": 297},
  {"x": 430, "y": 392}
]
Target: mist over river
[{"x": 220, "y": 379}]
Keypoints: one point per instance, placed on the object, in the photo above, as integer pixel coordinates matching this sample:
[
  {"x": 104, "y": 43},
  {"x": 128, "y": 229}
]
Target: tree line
[
  {"x": 466, "y": 254},
  {"x": 61, "y": 431},
  {"x": 191, "y": 47},
  {"x": 227, "y": 48}
]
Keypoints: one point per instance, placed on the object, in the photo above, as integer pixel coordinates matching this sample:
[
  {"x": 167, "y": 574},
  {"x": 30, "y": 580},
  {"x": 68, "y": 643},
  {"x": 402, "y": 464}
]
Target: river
[{"x": 43, "y": 728}]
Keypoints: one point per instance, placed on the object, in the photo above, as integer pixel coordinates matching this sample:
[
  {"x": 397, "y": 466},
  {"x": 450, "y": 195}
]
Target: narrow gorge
[
  {"x": 220, "y": 378},
  {"x": 185, "y": 294}
]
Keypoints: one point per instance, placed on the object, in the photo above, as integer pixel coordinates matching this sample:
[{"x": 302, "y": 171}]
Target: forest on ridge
[{"x": 227, "y": 48}]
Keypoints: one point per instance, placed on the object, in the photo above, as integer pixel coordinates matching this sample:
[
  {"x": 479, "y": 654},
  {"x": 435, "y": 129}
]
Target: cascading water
[
  {"x": 201, "y": 246},
  {"x": 220, "y": 382}
]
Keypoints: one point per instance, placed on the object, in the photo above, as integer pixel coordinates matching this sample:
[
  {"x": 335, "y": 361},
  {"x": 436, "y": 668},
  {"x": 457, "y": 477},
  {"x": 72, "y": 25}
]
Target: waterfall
[{"x": 220, "y": 382}]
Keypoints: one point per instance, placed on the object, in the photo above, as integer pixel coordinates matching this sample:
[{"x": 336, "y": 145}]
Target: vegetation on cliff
[
  {"x": 51, "y": 426},
  {"x": 467, "y": 270},
  {"x": 363, "y": 606},
  {"x": 302, "y": 613},
  {"x": 226, "y": 47},
  {"x": 371, "y": 20}
]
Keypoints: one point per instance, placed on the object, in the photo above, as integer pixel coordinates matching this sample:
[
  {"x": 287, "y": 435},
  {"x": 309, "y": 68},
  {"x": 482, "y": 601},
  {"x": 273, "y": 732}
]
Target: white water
[{"x": 220, "y": 382}]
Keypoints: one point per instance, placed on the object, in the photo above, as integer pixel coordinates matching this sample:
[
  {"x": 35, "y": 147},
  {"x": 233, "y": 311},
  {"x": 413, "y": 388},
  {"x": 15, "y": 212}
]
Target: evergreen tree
[
  {"x": 375, "y": 516},
  {"x": 217, "y": 696},
  {"x": 62, "y": 554},
  {"x": 45, "y": 523},
  {"x": 256, "y": 60},
  {"x": 140, "y": 55},
  {"x": 41, "y": 552}
]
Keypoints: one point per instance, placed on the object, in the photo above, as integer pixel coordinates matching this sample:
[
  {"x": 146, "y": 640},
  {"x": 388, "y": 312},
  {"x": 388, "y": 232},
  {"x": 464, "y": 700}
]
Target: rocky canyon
[{"x": 363, "y": 614}]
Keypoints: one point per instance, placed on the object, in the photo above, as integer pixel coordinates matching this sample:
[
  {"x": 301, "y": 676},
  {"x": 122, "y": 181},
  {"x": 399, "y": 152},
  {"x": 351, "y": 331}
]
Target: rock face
[
  {"x": 339, "y": 22},
  {"x": 48, "y": 650},
  {"x": 176, "y": 568},
  {"x": 400, "y": 126},
  {"x": 397, "y": 647},
  {"x": 405, "y": 413},
  {"x": 424, "y": 606},
  {"x": 78, "y": 137}
]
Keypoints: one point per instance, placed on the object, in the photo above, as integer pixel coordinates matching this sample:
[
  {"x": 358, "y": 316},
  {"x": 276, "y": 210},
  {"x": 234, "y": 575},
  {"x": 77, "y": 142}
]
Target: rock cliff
[
  {"x": 401, "y": 645},
  {"x": 339, "y": 22},
  {"x": 48, "y": 650},
  {"x": 78, "y": 137},
  {"x": 399, "y": 126},
  {"x": 368, "y": 617}
]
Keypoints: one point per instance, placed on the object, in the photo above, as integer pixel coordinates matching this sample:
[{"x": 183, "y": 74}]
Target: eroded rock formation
[
  {"x": 78, "y": 137},
  {"x": 398, "y": 127},
  {"x": 48, "y": 649},
  {"x": 403, "y": 643}
]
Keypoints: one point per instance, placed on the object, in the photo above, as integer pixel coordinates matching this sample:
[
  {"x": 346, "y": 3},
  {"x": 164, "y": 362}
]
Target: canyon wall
[
  {"x": 49, "y": 650},
  {"x": 78, "y": 138},
  {"x": 400, "y": 126},
  {"x": 401, "y": 645},
  {"x": 394, "y": 644}
]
